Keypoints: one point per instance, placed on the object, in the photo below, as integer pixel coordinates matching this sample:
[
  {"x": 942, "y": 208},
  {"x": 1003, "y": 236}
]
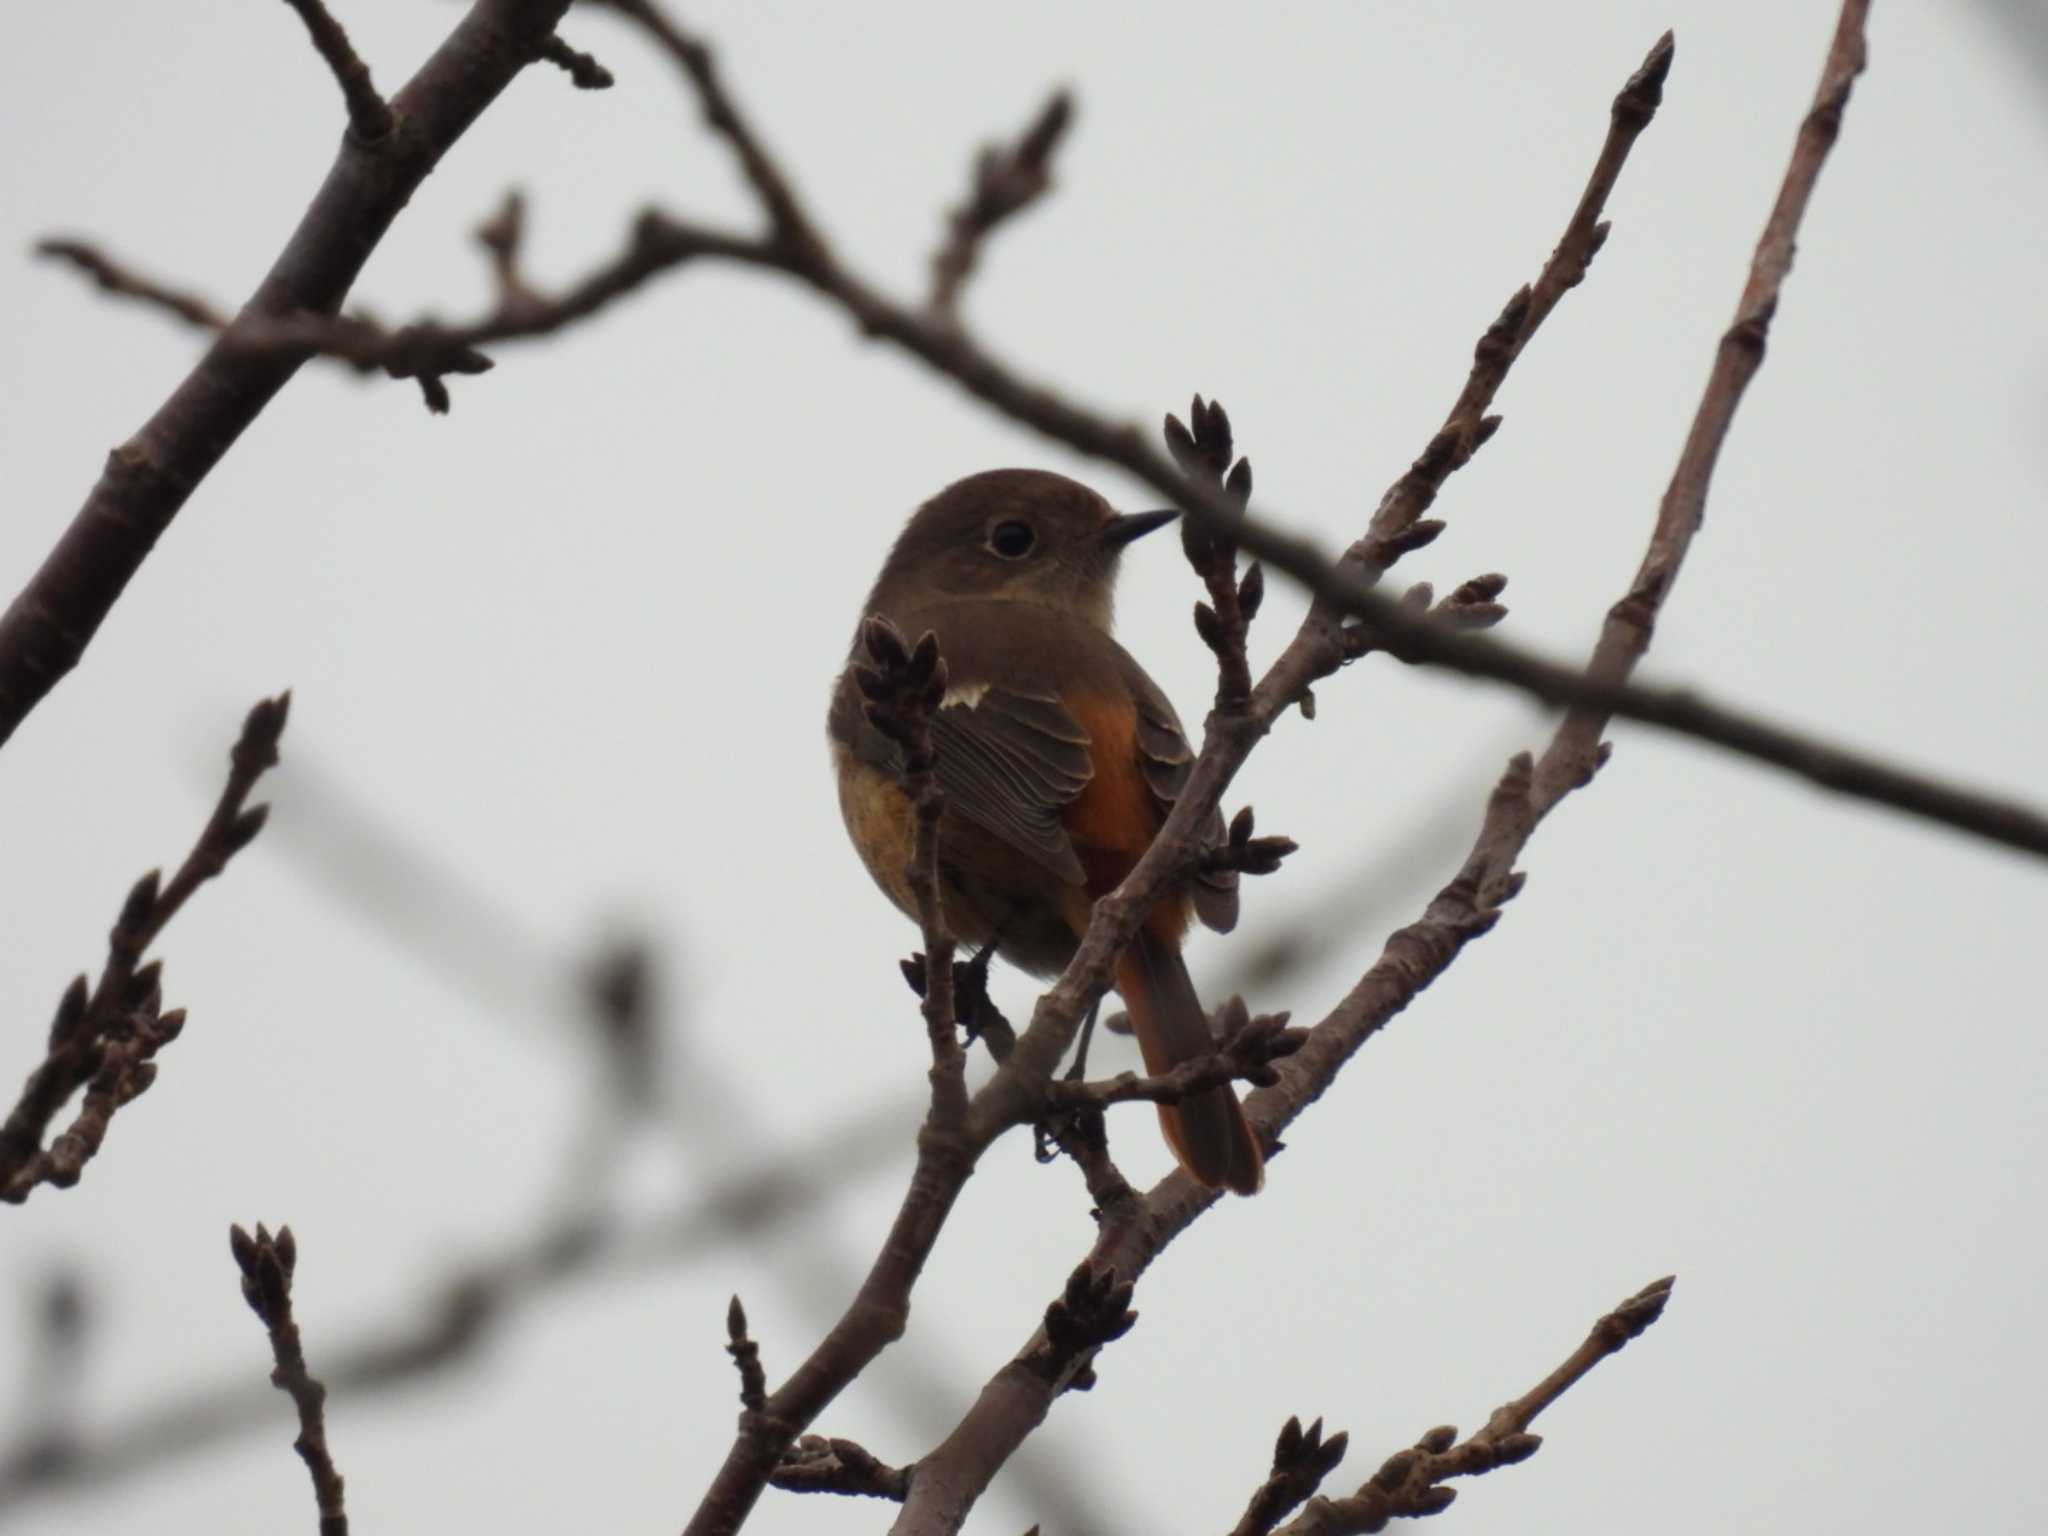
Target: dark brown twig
[
  {"x": 1008, "y": 178},
  {"x": 1345, "y": 589},
  {"x": 110, "y": 276},
  {"x": 1467, "y": 908},
  {"x": 1204, "y": 450},
  {"x": 1301, "y": 1460},
  {"x": 461, "y": 1315},
  {"x": 267, "y": 1264},
  {"x": 952, "y": 1477},
  {"x": 369, "y": 115},
  {"x": 1250, "y": 1047},
  {"x": 815, "y": 1464},
  {"x": 901, "y": 686},
  {"x": 1467, "y": 426},
  {"x": 103, "y": 1039},
  {"x": 584, "y": 72},
  {"x": 746, "y": 1358},
  {"x": 1411, "y": 1483}
]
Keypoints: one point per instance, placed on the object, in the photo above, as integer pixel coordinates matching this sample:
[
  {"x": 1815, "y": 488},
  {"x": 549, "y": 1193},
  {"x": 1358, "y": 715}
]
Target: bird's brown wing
[
  {"x": 1165, "y": 757},
  {"x": 1011, "y": 762}
]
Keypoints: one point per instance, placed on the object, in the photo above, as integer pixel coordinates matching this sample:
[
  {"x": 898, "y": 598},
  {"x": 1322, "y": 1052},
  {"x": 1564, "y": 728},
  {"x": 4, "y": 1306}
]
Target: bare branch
[
  {"x": 1008, "y": 178},
  {"x": 369, "y": 115},
  {"x": 816, "y": 1464},
  {"x": 111, "y": 277},
  {"x": 1411, "y": 1483},
  {"x": 267, "y": 1264},
  {"x": 1467, "y": 908},
  {"x": 462, "y": 1314},
  {"x": 1250, "y": 1047},
  {"x": 104, "y": 1039},
  {"x": 1467, "y": 427},
  {"x": 790, "y": 230},
  {"x": 1301, "y": 1460},
  {"x": 583, "y": 70},
  {"x": 902, "y": 687},
  {"x": 47, "y": 627},
  {"x": 746, "y": 1358}
]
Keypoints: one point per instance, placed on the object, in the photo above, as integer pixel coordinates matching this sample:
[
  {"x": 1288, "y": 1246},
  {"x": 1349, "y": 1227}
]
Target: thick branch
[{"x": 46, "y": 629}]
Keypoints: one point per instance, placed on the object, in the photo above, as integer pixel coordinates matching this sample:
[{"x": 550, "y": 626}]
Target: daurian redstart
[{"x": 1059, "y": 759}]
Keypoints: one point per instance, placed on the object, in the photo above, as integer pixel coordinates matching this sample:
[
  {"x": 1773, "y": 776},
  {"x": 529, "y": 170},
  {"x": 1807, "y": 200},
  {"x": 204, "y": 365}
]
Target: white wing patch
[{"x": 964, "y": 695}]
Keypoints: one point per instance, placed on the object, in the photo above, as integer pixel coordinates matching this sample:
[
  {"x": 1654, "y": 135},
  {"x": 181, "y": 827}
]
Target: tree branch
[
  {"x": 45, "y": 630},
  {"x": 369, "y": 115},
  {"x": 103, "y": 1039},
  {"x": 1411, "y": 1483},
  {"x": 1008, "y": 178},
  {"x": 1344, "y": 589},
  {"x": 267, "y": 1263},
  {"x": 816, "y": 1464},
  {"x": 1465, "y": 909}
]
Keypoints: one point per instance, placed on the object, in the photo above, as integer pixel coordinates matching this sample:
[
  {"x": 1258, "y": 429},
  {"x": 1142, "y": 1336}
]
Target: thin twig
[
  {"x": 103, "y": 1039},
  {"x": 816, "y": 1464},
  {"x": 952, "y": 1477},
  {"x": 584, "y": 72},
  {"x": 369, "y": 115},
  {"x": 746, "y": 1358},
  {"x": 267, "y": 1264},
  {"x": 110, "y": 276},
  {"x": 1301, "y": 1460},
  {"x": 1343, "y": 589},
  {"x": 1412, "y": 1483},
  {"x": 1249, "y": 1049},
  {"x": 1008, "y": 178},
  {"x": 1465, "y": 909},
  {"x": 461, "y": 1315}
]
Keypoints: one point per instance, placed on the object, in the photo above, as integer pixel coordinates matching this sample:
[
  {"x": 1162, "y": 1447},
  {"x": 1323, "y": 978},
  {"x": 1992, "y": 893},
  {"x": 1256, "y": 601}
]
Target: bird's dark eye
[{"x": 1012, "y": 539}]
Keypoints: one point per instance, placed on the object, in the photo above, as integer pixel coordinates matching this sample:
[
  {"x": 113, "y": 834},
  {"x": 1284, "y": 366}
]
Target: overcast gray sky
[{"x": 1787, "y": 1047}]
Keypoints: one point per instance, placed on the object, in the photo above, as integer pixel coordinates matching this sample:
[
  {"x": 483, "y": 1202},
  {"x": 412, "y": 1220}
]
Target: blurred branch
[
  {"x": 462, "y": 1316},
  {"x": 462, "y": 930},
  {"x": 1008, "y": 178},
  {"x": 369, "y": 115},
  {"x": 267, "y": 1264},
  {"x": 104, "y": 1038},
  {"x": 45, "y": 630},
  {"x": 1411, "y": 1483}
]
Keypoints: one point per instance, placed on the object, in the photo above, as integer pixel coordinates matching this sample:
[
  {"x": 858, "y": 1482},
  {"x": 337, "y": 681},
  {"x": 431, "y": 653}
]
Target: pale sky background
[{"x": 1788, "y": 1047}]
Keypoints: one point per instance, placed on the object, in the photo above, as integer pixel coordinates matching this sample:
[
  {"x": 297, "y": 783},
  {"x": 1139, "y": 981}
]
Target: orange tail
[{"x": 1206, "y": 1130}]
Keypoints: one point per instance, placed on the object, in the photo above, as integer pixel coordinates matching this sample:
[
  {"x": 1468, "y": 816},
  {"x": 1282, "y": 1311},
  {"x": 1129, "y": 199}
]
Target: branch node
[
  {"x": 370, "y": 118},
  {"x": 583, "y": 70}
]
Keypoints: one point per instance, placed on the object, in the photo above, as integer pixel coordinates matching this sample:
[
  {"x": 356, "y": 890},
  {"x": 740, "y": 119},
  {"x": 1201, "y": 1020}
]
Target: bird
[{"x": 1059, "y": 759}]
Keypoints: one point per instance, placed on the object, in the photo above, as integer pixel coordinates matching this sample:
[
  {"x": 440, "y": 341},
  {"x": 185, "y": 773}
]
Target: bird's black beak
[{"x": 1124, "y": 527}]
